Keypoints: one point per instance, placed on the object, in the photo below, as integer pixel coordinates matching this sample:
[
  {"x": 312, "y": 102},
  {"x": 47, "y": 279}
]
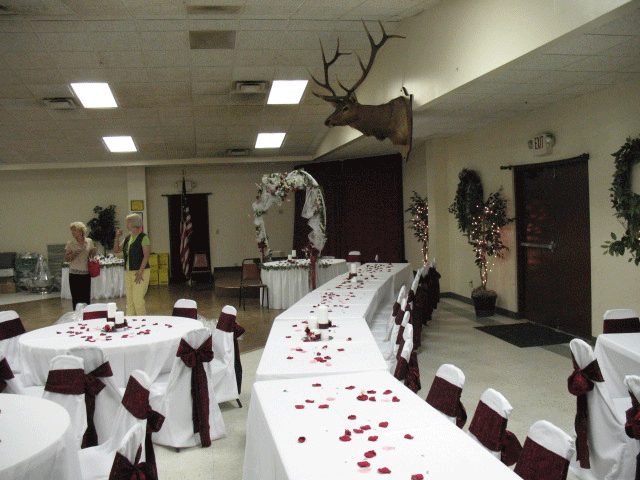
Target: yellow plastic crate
[
  {"x": 163, "y": 259},
  {"x": 153, "y": 260},
  {"x": 163, "y": 277},
  {"x": 153, "y": 279}
]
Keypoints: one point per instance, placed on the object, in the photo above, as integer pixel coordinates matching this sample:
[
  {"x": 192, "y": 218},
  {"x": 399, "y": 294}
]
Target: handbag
[{"x": 94, "y": 267}]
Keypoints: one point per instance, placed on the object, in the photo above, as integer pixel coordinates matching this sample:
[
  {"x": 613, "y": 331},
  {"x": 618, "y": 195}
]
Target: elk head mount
[{"x": 392, "y": 120}]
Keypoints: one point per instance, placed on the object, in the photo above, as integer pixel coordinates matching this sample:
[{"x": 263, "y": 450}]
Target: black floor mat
[{"x": 527, "y": 334}]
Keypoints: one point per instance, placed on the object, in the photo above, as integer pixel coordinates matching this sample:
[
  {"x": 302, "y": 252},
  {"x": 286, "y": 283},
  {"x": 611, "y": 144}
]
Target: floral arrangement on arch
[{"x": 274, "y": 189}]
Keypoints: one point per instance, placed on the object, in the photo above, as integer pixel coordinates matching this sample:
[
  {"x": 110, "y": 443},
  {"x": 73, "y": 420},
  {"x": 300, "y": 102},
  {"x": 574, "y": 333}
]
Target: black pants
[{"x": 80, "y": 286}]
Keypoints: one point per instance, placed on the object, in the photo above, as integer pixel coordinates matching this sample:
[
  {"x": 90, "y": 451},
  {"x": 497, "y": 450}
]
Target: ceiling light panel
[
  {"x": 269, "y": 140},
  {"x": 94, "y": 95},
  {"x": 286, "y": 92},
  {"x": 120, "y": 144}
]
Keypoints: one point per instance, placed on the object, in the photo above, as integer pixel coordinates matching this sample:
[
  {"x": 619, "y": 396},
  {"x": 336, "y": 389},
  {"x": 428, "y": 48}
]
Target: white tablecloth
[
  {"x": 288, "y": 285},
  {"x": 109, "y": 284},
  {"x": 437, "y": 448},
  {"x": 36, "y": 440},
  {"x": 149, "y": 344},
  {"x": 618, "y": 355}
]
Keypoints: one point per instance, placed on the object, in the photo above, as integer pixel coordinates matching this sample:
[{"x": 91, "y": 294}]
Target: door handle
[{"x": 551, "y": 246}]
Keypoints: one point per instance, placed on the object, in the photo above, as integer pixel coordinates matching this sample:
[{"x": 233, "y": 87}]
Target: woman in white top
[{"x": 78, "y": 252}]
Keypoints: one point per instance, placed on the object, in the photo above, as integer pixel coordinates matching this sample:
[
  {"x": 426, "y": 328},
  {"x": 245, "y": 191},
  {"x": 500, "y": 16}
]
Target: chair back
[
  {"x": 126, "y": 461},
  {"x": 9, "y": 383},
  {"x": 185, "y": 308},
  {"x": 225, "y": 380},
  {"x": 621, "y": 320},
  {"x": 250, "y": 270},
  {"x": 94, "y": 311},
  {"x": 200, "y": 261},
  {"x": 402, "y": 365},
  {"x": 354, "y": 257},
  {"x": 11, "y": 328},
  {"x": 65, "y": 386},
  {"x": 444, "y": 394},
  {"x": 189, "y": 403},
  {"x": 545, "y": 454}
]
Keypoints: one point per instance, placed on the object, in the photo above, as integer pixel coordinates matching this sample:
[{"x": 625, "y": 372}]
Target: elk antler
[{"x": 350, "y": 92}]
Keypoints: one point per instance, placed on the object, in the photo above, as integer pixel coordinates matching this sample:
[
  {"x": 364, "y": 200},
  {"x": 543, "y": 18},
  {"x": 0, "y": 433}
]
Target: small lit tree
[
  {"x": 485, "y": 235},
  {"x": 419, "y": 222},
  {"x": 102, "y": 228}
]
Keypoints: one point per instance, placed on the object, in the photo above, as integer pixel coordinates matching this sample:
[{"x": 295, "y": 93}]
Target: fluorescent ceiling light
[
  {"x": 269, "y": 140},
  {"x": 94, "y": 95},
  {"x": 120, "y": 144},
  {"x": 287, "y": 92}
]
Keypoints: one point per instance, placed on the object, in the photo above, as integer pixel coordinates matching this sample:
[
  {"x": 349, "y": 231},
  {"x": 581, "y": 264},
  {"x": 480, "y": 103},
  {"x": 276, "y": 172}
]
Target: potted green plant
[
  {"x": 419, "y": 223},
  {"x": 481, "y": 222},
  {"x": 102, "y": 228}
]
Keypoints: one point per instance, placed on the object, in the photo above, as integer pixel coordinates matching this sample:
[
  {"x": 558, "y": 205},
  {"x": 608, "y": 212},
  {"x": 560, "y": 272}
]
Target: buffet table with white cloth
[
  {"x": 149, "y": 343},
  {"x": 36, "y": 440},
  {"x": 618, "y": 355},
  {"x": 109, "y": 284},
  {"x": 288, "y": 280},
  {"x": 356, "y": 426}
]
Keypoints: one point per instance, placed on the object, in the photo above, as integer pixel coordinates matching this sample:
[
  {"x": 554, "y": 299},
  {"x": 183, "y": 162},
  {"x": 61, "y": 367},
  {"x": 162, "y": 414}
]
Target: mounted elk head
[{"x": 392, "y": 120}]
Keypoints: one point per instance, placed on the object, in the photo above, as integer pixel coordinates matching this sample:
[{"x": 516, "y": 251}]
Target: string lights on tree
[{"x": 419, "y": 222}]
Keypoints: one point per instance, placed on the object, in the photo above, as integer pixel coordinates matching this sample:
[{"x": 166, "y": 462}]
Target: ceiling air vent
[
  {"x": 60, "y": 103},
  {"x": 250, "y": 86},
  {"x": 238, "y": 152}
]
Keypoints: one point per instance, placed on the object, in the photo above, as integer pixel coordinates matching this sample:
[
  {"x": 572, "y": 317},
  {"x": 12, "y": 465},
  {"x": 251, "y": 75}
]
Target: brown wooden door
[{"x": 554, "y": 267}]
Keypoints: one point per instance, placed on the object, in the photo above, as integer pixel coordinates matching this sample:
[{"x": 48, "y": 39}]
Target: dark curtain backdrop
[
  {"x": 363, "y": 199},
  {"x": 199, "y": 241}
]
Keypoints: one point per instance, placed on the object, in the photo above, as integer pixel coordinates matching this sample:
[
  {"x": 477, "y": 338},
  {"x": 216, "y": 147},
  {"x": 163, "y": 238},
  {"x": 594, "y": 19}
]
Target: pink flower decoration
[
  {"x": 345, "y": 438},
  {"x": 301, "y": 439},
  {"x": 373, "y": 438},
  {"x": 364, "y": 464},
  {"x": 370, "y": 454},
  {"x": 384, "y": 424},
  {"x": 384, "y": 470},
  {"x": 408, "y": 436}
]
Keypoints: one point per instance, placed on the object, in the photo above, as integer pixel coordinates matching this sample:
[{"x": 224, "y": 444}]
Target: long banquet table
[
  {"x": 109, "y": 284},
  {"x": 149, "y": 343},
  {"x": 618, "y": 355},
  {"x": 288, "y": 280},
  {"x": 324, "y": 427},
  {"x": 36, "y": 440}
]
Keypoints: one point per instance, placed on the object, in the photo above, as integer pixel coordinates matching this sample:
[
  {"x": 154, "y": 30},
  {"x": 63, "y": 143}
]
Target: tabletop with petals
[{"x": 367, "y": 424}]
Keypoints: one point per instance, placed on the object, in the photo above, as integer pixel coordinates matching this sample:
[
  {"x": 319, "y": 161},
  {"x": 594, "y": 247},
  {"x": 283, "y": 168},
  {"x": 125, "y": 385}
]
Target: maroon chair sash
[
  {"x": 123, "y": 469},
  {"x": 227, "y": 323},
  {"x": 194, "y": 359},
  {"x": 402, "y": 369},
  {"x": 539, "y": 463},
  {"x": 399, "y": 316},
  {"x": 11, "y": 328},
  {"x": 185, "y": 312},
  {"x": 632, "y": 427},
  {"x": 94, "y": 315},
  {"x": 490, "y": 428},
  {"x": 65, "y": 381},
  {"x": 400, "y": 337},
  {"x": 412, "y": 382},
  {"x": 410, "y": 296},
  {"x": 621, "y": 325},
  {"x": 580, "y": 382},
  {"x": 136, "y": 401},
  {"x": 445, "y": 397},
  {"x": 5, "y": 374},
  {"x": 394, "y": 310},
  {"x": 353, "y": 258},
  {"x": 92, "y": 387}
]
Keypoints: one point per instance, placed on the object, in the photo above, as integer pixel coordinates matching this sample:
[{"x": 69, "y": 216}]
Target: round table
[
  {"x": 36, "y": 440},
  {"x": 149, "y": 344},
  {"x": 288, "y": 280}
]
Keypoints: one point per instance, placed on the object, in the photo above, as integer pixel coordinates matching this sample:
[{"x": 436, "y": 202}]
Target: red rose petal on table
[
  {"x": 372, "y": 399},
  {"x": 362, "y": 398},
  {"x": 357, "y": 430},
  {"x": 323, "y": 406},
  {"x": 288, "y": 336},
  {"x": 373, "y": 438},
  {"x": 351, "y": 417},
  {"x": 348, "y": 339},
  {"x": 350, "y": 387},
  {"x": 364, "y": 464},
  {"x": 309, "y": 401},
  {"x": 289, "y": 358},
  {"x": 408, "y": 436},
  {"x": 371, "y": 391},
  {"x": 327, "y": 357},
  {"x": 395, "y": 399},
  {"x": 345, "y": 438},
  {"x": 384, "y": 424},
  {"x": 417, "y": 476},
  {"x": 299, "y": 406},
  {"x": 301, "y": 439},
  {"x": 384, "y": 470},
  {"x": 316, "y": 385},
  {"x": 341, "y": 349},
  {"x": 347, "y": 432},
  {"x": 365, "y": 427},
  {"x": 386, "y": 392},
  {"x": 370, "y": 454}
]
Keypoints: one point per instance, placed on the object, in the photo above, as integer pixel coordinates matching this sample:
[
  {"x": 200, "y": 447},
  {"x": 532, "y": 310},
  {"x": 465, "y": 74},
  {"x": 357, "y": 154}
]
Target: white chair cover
[
  {"x": 66, "y": 374},
  {"x": 390, "y": 348},
  {"x": 10, "y": 330},
  {"x": 223, "y": 375},
  {"x": 445, "y": 391},
  {"x": 126, "y": 462},
  {"x": 611, "y": 453},
  {"x": 11, "y": 382},
  {"x": 545, "y": 453},
  {"x": 185, "y": 307},
  {"x": 94, "y": 310},
  {"x": 354, "y": 258},
  {"x": 108, "y": 401},
  {"x": 620, "y": 320},
  {"x": 384, "y": 319},
  {"x": 174, "y": 399}
]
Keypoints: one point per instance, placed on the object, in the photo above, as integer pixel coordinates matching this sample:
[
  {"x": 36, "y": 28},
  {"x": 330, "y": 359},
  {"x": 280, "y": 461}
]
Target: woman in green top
[{"x": 136, "y": 248}]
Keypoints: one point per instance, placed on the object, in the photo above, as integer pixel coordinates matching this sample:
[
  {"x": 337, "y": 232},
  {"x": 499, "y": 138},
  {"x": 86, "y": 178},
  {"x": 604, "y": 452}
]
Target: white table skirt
[
  {"x": 618, "y": 355},
  {"x": 36, "y": 440},
  {"x": 150, "y": 344},
  {"x": 109, "y": 284},
  {"x": 437, "y": 450},
  {"x": 287, "y": 286}
]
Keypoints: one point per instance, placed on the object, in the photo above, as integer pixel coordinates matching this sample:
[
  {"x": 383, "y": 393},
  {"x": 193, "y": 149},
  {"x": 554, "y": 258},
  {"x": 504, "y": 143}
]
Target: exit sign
[{"x": 542, "y": 144}]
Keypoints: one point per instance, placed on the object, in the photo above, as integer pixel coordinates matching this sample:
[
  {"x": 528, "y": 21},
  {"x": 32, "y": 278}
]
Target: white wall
[{"x": 597, "y": 124}]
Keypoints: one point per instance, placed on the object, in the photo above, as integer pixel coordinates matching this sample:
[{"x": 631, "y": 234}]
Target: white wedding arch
[{"x": 274, "y": 189}]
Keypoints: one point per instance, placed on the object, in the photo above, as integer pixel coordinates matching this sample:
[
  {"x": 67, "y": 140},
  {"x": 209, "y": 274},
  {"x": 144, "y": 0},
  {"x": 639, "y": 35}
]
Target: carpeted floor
[{"x": 527, "y": 334}]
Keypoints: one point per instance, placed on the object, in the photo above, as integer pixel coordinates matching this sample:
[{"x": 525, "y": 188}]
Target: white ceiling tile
[
  {"x": 67, "y": 41},
  {"x": 587, "y": 44},
  {"x": 116, "y": 41}
]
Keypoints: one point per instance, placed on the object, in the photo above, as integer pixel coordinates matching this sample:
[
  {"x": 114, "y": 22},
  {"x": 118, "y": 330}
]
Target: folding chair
[
  {"x": 621, "y": 320},
  {"x": 250, "y": 278},
  {"x": 10, "y": 330},
  {"x": 444, "y": 394},
  {"x": 185, "y": 308},
  {"x": 201, "y": 270},
  {"x": 227, "y": 375},
  {"x": 545, "y": 454}
]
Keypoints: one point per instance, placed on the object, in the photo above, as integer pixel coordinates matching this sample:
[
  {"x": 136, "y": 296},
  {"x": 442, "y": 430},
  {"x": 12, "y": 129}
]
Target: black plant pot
[{"x": 485, "y": 305}]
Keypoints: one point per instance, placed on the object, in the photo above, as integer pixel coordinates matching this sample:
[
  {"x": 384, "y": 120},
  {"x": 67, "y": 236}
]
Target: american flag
[{"x": 186, "y": 228}]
